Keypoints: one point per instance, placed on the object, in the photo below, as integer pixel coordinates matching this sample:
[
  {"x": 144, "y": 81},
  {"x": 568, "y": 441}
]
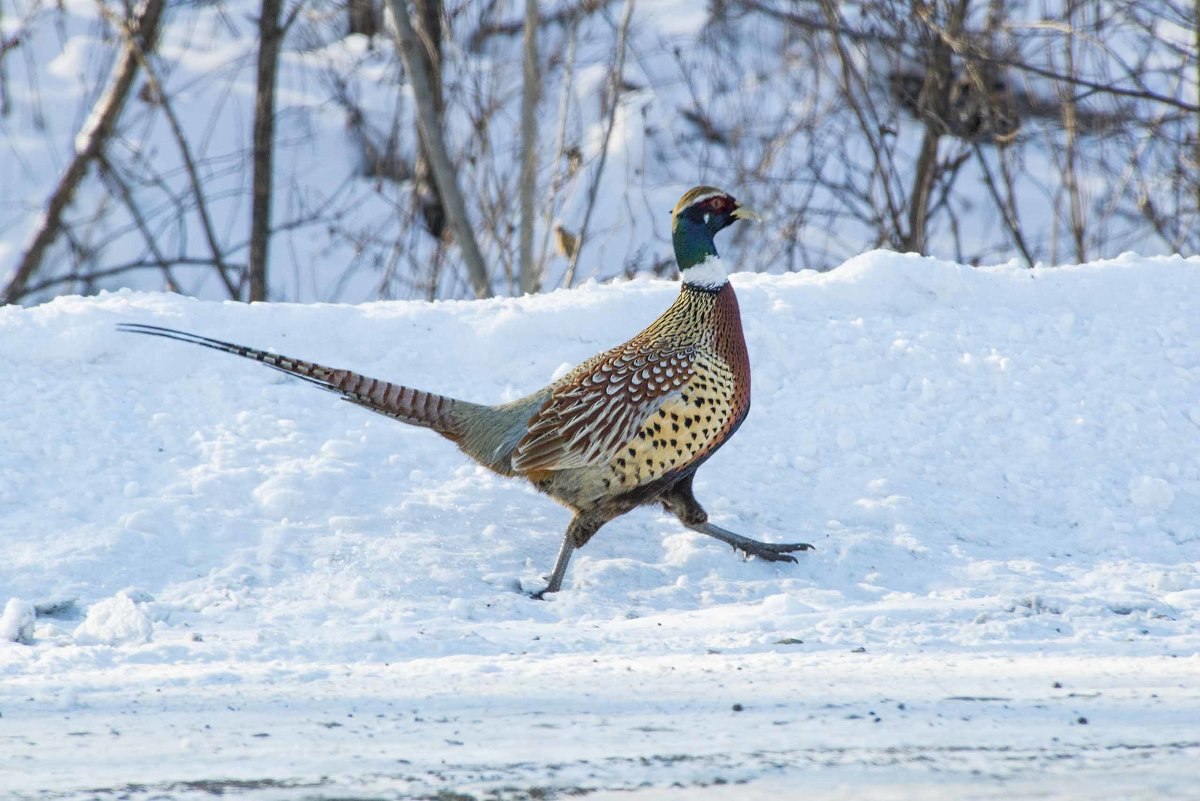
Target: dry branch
[
  {"x": 89, "y": 144},
  {"x": 564, "y": 16},
  {"x": 560, "y": 139},
  {"x": 616, "y": 81},
  {"x": 158, "y": 91},
  {"x": 530, "y": 280},
  {"x": 139, "y": 219},
  {"x": 443, "y": 170}
]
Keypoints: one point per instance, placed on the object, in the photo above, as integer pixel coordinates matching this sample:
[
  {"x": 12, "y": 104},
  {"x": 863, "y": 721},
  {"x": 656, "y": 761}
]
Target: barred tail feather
[{"x": 412, "y": 406}]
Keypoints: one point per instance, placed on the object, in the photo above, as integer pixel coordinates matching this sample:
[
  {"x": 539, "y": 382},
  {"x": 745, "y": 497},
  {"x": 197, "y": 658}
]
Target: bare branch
[
  {"x": 854, "y": 88},
  {"x": 1070, "y": 168},
  {"x": 139, "y": 220},
  {"x": 118, "y": 269},
  {"x": 566, "y": 16},
  {"x": 1006, "y": 207},
  {"x": 88, "y": 145},
  {"x": 158, "y": 91},
  {"x": 614, "y": 92},
  {"x": 443, "y": 170},
  {"x": 530, "y": 280},
  {"x": 560, "y": 139}
]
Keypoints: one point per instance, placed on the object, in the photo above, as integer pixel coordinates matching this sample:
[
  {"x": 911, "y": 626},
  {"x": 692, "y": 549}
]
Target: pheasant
[{"x": 628, "y": 427}]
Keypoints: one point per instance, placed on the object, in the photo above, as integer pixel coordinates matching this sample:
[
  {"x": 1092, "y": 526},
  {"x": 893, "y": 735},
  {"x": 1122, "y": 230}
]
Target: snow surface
[{"x": 247, "y": 587}]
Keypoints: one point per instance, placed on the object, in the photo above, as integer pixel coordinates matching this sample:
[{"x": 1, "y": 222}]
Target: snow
[
  {"x": 249, "y": 587},
  {"x": 115, "y": 621},
  {"x": 216, "y": 581},
  {"x": 998, "y": 467},
  {"x": 16, "y": 621},
  {"x": 1151, "y": 493}
]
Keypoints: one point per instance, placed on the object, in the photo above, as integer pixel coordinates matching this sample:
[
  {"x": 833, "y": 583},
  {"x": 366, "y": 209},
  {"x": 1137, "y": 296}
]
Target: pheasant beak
[{"x": 746, "y": 213}]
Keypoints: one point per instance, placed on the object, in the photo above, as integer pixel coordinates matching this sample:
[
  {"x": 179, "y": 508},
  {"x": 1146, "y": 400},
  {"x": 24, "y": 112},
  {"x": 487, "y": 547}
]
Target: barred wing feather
[{"x": 596, "y": 409}]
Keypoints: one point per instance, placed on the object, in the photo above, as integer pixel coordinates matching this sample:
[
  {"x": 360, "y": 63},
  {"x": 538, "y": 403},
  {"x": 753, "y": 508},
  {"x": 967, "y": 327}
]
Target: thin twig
[
  {"x": 615, "y": 83},
  {"x": 883, "y": 165},
  {"x": 1071, "y": 129},
  {"x": 1007, "y": 210},
  {"x": 138, "y": 219},
  {"x": 568, "y": 14},
  {"x": 530, "y": 281},
  {"x": 159, "y": 92},
  {"x": 561, "y": 143},
  {"x": 109, "y": 272}
]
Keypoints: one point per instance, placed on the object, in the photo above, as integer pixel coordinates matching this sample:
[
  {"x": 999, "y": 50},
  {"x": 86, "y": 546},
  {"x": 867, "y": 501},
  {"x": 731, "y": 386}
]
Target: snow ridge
[{"x": 997, "y": 466}]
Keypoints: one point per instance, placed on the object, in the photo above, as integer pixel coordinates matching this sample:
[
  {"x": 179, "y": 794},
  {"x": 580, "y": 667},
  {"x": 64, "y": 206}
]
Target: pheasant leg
[
  {"x": 767, "y": 551},
  {"x": 580, "y": 530},
  {"x": 560, "y": 568},
  {"x": 683, "y": 504}
]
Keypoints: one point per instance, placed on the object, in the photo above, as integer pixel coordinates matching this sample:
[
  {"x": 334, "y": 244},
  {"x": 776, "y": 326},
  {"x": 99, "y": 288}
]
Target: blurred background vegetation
[{"x": 463, "y": 148}]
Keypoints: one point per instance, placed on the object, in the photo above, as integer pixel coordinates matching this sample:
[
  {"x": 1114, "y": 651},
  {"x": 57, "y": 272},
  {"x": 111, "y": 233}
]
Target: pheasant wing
[{"x": 596, "y": 409}]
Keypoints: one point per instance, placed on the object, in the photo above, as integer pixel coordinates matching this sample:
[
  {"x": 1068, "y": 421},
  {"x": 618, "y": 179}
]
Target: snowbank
[{"x": 997, "y": 466}]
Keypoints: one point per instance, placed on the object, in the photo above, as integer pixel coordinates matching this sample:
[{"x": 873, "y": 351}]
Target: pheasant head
[{"x": 697, "y": 218}]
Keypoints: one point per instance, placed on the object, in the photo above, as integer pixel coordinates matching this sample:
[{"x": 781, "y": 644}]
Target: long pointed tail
[{"x": 410, "y": 405}]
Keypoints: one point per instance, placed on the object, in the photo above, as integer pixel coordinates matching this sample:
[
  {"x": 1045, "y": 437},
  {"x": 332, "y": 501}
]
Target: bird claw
[{"x": 774, "y": 551}]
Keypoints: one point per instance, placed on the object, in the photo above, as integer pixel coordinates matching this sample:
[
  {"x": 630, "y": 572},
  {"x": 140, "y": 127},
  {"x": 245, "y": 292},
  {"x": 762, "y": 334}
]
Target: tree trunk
[
  {"x": 1071, "y": 134},
  {"x": 89, "y": 144},
  {"x": 1196, "y": 135},
  {"x": 362, "y": 17},
  {"x": 918, "y": 202},
  {"x": 933, "y": 105},
  {"x": 530, "y": 281},
  {"x": 428, "y": 28},
  {"x": 429, "y": 122},
  {"x": 270, "y": 37}
]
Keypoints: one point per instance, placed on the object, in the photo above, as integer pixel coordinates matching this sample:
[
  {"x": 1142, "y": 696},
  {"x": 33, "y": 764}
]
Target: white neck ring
[{"x": 708, "y": 274}]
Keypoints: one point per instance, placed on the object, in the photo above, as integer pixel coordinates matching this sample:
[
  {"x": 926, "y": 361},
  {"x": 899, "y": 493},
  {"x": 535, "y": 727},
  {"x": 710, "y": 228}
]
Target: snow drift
[{"x": 998, "y": 467}]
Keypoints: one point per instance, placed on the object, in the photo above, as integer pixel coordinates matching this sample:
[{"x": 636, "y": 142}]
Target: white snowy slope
[{"x": 225, "y": 581}]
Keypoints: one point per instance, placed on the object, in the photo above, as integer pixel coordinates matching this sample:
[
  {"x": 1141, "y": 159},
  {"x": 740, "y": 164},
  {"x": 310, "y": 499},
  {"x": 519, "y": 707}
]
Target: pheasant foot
[{"x": 767, "y": 551}]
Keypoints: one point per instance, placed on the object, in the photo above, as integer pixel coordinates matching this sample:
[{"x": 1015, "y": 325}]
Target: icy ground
[{"x": 226, "y": 582}]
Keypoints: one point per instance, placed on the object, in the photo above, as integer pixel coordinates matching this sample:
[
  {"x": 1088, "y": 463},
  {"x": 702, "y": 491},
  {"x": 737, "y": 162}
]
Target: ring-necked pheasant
[{"x": 627, "y": 427}]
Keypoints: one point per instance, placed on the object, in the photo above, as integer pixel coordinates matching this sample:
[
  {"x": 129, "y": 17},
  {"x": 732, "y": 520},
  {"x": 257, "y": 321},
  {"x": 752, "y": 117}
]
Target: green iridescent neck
[{"x": 693, "y": 243}]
